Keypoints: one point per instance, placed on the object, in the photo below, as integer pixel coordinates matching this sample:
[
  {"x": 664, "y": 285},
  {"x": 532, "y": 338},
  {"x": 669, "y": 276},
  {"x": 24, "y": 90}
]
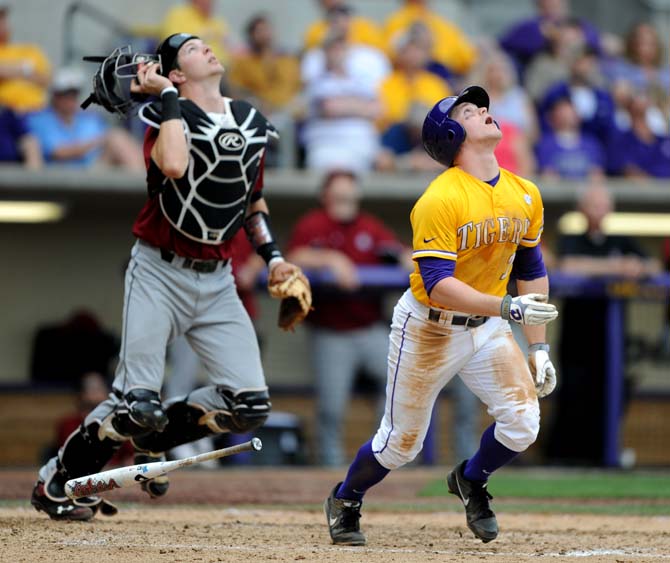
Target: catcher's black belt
[
  {"x": 469, "y": 322},
  {"x": 202, "y": 266}
]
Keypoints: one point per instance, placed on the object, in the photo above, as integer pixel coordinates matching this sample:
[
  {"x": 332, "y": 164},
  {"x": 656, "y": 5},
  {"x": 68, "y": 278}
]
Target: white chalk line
[{"x": 626, "y": 552}]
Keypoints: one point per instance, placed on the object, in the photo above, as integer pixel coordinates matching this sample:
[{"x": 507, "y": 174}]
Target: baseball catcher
[{"x": 204, "y": 155}]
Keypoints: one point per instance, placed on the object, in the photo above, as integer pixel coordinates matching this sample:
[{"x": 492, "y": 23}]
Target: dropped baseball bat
[{"x": 133, "y": 474}]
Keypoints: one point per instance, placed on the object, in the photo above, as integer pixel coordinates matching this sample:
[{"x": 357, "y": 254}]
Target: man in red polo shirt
[
  {"x": 348, "y": 330},
  {"x": 204, "y": 157}
]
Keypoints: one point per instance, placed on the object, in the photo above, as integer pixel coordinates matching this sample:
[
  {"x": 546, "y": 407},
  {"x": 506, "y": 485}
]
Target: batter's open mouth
[{"x": 489, "y": 120}]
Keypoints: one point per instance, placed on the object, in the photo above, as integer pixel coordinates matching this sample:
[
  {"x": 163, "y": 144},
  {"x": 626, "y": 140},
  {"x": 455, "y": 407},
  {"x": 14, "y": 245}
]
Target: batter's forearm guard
[{"x": 257, "y": 227}]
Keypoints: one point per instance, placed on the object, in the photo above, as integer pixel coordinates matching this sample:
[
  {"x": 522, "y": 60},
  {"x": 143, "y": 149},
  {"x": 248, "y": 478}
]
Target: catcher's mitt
[{"x": 296, "y": 299}]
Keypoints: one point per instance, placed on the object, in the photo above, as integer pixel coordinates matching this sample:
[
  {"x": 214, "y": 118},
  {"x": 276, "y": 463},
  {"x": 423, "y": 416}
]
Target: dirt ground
[{"x": 274, "y": 515}]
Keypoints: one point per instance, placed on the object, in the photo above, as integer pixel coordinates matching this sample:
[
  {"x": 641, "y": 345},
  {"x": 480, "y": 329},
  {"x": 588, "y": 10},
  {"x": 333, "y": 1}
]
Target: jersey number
[{"x": 508, "y": 269}]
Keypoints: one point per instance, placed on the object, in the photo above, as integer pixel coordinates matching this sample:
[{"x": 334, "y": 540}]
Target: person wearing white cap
[{"x": 70, "y": 136}]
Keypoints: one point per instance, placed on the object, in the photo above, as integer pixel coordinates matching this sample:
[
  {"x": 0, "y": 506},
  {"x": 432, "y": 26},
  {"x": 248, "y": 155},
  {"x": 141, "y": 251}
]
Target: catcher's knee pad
[
  {"x": 239, "y": 412},
  {"x": 139, "y": 412},
  {"x": 243, "y": 410},
  {"x": 517, "y": 428}
]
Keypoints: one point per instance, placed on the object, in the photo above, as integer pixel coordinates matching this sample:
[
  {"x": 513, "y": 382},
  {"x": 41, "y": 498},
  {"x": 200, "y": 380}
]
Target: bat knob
[{"x": 256, "y": 444}]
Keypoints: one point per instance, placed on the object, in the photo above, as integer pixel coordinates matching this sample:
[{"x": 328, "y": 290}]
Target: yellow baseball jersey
[{"x": 477, "y": 225}]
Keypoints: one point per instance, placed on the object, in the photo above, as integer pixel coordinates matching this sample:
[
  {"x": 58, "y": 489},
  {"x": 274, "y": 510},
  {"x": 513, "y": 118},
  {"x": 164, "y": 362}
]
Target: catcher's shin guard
[
  {"x": 240, "y": 412},
  {"x": 84, "y": 452}
]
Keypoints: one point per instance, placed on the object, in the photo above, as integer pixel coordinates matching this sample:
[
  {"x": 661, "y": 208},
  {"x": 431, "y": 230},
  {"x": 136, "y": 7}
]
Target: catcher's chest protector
[{"x": 209, "y": 202}]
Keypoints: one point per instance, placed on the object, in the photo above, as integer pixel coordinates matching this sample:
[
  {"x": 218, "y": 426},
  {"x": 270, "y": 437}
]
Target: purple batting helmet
[{"x": 443, "y": 136}]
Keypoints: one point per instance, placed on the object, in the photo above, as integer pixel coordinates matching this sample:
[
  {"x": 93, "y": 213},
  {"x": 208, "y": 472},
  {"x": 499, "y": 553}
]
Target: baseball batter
[
  {"x": 204, "y": 156},
  {"x": 474, "y": 227}
]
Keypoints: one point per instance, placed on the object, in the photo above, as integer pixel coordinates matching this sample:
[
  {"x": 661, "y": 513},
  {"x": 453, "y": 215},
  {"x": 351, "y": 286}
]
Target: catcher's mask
[{"x": 111, "y": 82}]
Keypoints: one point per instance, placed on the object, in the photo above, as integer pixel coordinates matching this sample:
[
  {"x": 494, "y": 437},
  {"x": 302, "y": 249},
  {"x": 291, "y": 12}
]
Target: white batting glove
[
  {"x": 529, "y": 309},
  {"x": 541, "y": 368}
]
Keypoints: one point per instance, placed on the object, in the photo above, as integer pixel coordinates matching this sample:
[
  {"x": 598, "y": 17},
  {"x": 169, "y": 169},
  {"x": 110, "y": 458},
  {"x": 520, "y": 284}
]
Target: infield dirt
[{"x": 273, "y": 515}]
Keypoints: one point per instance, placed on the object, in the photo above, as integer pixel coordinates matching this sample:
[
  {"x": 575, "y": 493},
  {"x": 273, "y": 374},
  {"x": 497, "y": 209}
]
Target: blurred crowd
[{"x": 574, "y": 102}]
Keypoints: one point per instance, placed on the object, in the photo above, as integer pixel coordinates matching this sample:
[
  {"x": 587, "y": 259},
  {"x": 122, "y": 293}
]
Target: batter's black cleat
[
  {"x": 58, "y": 508},
  {"x": 480, "y": 518},
  {"x": 158, "y": 486},
  {"x": 343, "y": 519}
]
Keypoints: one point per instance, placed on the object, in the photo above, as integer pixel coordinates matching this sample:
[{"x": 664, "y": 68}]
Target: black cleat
[
  {"x": 158, "y": 486},
  {"x": 480, "y": 518},
  {"x": 58, "y": 509},
  {"x": 343, "y": 519}
]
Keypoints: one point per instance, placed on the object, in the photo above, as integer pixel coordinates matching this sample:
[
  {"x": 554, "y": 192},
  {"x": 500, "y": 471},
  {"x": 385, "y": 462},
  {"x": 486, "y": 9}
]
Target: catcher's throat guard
[{"x": 112, "y": 80}]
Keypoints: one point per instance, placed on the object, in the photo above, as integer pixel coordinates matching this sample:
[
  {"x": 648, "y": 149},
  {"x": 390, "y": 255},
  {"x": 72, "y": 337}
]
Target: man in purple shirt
[
  {"x": 564, "y": 151},
  {"x": 527, "y": 38}
]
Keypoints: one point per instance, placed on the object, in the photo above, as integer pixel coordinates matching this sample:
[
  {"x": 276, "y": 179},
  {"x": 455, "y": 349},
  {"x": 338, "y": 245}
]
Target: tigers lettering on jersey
[
  {"x": 479, "y": 226},
  {"x": 473, "y": 235}
]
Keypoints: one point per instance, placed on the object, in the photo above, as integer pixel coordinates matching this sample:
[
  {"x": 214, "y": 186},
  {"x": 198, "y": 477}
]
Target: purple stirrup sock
[
  {"x": 364, "y": 472},
  {"x": 490, "y": 456}
]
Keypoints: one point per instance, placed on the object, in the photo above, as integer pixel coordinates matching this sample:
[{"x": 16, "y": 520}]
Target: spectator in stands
[
  {"x": 270, "y": 80},
  {"x": 451, "y": 47},
  {"x": 639, "y": 151},
  {"x": 509, "y": 101},
  {"x": 340, "y": 129},
  {"x": 564, "y": 151},
  {"x": 70, "y": 136},
  {"x": 268, "y": 77},
  {"x": 63, "y": 352},
  {"x": 347, "y": 329},
  {"x": 552, "y": 65},
  {"x": 410, "y": 82},
  {"x": 17, "y": 144},
  {"x": 361, "y": 30},
  {"x": 584, "y": 86},
  {"x": 407, "y": 94},
  {"x": 512, "y": 110},
  {"x": 577, "y": 430},
  {"x": 361, "y": 62},
  {"x": 528, "y": 38},
  {"x": 643, "y": 63},
  {"x": 197, "y": 17},
  {"x": 24, "y": 70}
]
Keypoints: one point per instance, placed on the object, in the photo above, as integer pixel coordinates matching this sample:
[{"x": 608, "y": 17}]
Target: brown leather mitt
[{"x": 296, "y": 299}]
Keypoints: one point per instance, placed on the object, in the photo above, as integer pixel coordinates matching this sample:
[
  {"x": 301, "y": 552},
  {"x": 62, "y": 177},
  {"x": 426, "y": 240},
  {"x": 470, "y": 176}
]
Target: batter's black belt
[
  {"x": 437, "y": 316},
  {"x": 202, "y": 266}
]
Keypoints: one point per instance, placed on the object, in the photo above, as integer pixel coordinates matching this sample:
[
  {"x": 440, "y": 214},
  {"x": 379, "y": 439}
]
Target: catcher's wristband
[
  {"x": 170, "y": 101},
  {"x": 505, "y": 307},
  {"x": 537, "y": 347},
  {"x": 257, "y": 227}
]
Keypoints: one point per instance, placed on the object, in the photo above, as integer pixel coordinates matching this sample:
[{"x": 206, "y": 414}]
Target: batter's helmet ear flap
[{"x": 441, "y": 135}]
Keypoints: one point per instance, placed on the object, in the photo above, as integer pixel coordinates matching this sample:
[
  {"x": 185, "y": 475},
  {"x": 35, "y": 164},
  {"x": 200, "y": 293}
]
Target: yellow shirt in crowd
[
  {"x": 450, "y": 45},
  {"x": 17, "y": 93},
  {"x": 274, "y": 80},
  {"x": 479, "y": 226},
  {"x": 188, "y": 19},
  {"x": 398, "y": 92},
  {"x": 361, "y": 31}
]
